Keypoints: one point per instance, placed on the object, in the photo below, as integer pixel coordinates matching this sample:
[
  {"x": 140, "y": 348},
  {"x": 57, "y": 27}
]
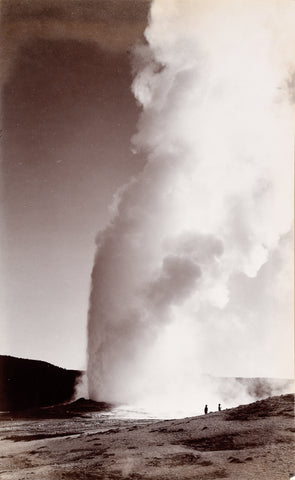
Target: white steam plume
[{"x": 192, "y": 276}]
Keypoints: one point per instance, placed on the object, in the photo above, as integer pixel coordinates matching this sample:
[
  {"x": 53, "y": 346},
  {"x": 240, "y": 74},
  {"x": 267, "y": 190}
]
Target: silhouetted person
[
  {"x": 219, "y": 407},
  {"x": 206, "y": 409}
]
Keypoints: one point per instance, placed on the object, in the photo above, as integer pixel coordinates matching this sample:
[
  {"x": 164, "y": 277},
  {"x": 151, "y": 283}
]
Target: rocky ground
[{"x": 250, "y": 442}]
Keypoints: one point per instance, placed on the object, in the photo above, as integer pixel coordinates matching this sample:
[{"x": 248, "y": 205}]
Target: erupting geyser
[{"x": 192, "y": 276}]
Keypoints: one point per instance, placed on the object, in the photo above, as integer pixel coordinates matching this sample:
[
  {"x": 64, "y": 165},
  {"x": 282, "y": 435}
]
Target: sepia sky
[{"x": 68, "y": 114}]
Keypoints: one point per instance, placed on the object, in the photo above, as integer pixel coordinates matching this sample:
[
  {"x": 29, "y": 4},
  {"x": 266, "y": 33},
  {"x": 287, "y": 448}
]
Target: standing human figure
[
  {"x": 219, "y": 407},
  {"x": 206, "y": 409}
]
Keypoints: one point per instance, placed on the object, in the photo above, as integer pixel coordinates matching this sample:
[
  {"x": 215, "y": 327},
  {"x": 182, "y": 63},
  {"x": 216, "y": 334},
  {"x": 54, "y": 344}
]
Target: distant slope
[{"x": 33, "y": 383}]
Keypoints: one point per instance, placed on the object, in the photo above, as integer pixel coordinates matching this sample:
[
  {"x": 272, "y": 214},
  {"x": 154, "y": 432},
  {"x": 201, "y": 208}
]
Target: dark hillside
[{"x": 32, "y": 383}]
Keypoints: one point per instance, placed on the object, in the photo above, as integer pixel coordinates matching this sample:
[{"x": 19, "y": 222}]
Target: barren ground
[{"x": 254, "y": 441}]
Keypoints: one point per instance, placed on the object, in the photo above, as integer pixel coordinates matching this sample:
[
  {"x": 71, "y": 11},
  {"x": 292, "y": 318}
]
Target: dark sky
[{"x": 68, "y": 115}]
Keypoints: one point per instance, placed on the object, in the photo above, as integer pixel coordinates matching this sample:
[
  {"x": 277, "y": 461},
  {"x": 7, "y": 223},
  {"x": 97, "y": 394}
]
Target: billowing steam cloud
[{"x": 192, "y": 275}]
